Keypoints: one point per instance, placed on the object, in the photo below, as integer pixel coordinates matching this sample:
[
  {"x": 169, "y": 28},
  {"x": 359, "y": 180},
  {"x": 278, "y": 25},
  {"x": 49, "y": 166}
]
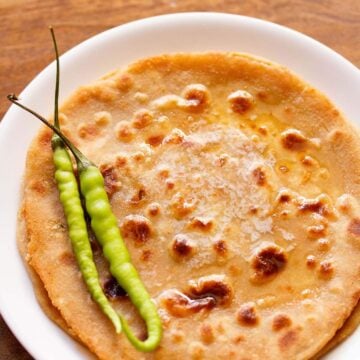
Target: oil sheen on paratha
[{"x": 236, "y": 189}]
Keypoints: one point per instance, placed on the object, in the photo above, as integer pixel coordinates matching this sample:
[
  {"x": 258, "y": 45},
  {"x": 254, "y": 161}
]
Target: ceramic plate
[{"x": 312, "y": 61}]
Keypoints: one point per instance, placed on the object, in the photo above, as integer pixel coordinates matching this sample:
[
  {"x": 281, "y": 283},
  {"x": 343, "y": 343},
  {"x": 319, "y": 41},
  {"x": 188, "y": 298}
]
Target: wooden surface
[{"x": 26, "y": 48}]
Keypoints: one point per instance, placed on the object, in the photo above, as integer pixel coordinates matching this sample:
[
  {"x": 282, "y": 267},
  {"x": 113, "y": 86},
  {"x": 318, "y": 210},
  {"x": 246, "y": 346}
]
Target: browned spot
[
  {"x": 268, "y": 262},
  {"x": 39, "y": 186},
  {"x": 88, "y": 130},
  {"x": 201, "y": 223},
  {"x": 123, "y": 131},
  {"x": 288, "y": 340},
  {"x": 246, "y": 315},
  {"x": 137, "y": 228},
  {"x": 197, "y": 97},
  {"x": 124, "y": 82},
  {"x": 120, "y": 161},
  {"x": 316, "y": 231},
  {"x": 214, "y": 286},
  {"x": 153, "y": 209},
  {"x": 280, "y": 321},
  {"x": 138, "y": 196},
  {"x": 323, "y": 244},
  {"x": 326, "y": 269},
  {"x": 238, "y": 339},
  {"x": 259, "y": 176},
  {"x": 175, "y": 137},
  {"x": 170, "y": 184},
  {"x": 263, "y": 130},
  {"x": 164, "y": 173},
  {"x": 220, "y": 247},
  {"x": 178, "y": 304},
  {"x": 145, "y": 255},
  {"x": 240, "y": 101},
  {"x": 177, "y": 336},
  {"x": 45, "y": 137},
  {"x": 182, "y": 206},
  {"x": 138, "y": 156},
  {"x": 311, "y": 261},
  {"x": 110, "y": 178},
  {"x": 67, "y": 258},
  {"x": 283, "y": 198},
  {"x": 308, "y": 161},
  {"x": 142, "y": 118},
  {"x": 102, "y": 118},
  {"x": 182, "y": 246},
  {"x": 207, "y": 333},
  {"x": 113, "y": 290},
  {"x": 221, "y": 160},
  {"x": 253, "y": 210},
  {"x": 293, "y": 139},
  {"x": 155, "y": 140},
  {"x": 354, "y": 227},
  {"x": 317, "y": 205}
]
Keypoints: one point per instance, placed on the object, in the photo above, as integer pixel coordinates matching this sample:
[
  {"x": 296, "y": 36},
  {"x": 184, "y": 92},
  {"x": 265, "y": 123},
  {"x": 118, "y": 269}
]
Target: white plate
[{"x": 315, "y": 63}]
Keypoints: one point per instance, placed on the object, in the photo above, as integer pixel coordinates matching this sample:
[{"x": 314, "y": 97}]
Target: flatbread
[{"x": 236, "y": 189}]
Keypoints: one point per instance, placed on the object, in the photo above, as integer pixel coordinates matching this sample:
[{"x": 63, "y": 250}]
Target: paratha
[{"x": 236, "y": 188}]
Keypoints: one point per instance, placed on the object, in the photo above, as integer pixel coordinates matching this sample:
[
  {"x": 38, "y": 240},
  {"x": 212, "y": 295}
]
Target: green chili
[
  {"x": 104, "y": 224},
  {"x": 71, "y": 202}
]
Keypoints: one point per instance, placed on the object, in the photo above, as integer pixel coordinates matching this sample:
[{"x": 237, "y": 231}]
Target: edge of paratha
[{"x": 341, "y": 140}]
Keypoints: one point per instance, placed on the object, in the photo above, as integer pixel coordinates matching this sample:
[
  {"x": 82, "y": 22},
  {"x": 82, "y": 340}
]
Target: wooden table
[{"x": 26, "y": 48}]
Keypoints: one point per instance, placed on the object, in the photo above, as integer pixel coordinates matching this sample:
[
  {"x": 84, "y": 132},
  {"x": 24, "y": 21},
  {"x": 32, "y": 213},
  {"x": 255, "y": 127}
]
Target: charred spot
[
  {"x": 138, "y": 196},
  {"x": 220, "y": 247},
  {"x": 240, "y": 101},
  {"x": 281, "y": 321},
  {"x": 259, "y": 176},
  {"x": 175, "y": 137},
  {"x": 293, "y": 139},
  {"x": 311, "y": 261},
  {"x": 153, "y": 209},
  {"x": 182, "y": 246},
  {"x": 145, "y": 255},
  {"x": 354, "y": 227},
  {"x": 113, "y": 290},
  {"x": 316, "y": 231},
  {"x": 207, "y": 333},
  {"x": 214, "y": 286},
  {"x": 155, "y": 140},
  {"x": 247, "y": 315},
  {"x": 253, "y": 210},
  {"x": 268, "y": 262},
  {"x": 137, "y": 228},
  {"x": 288, "y": 339},
  {"x": 197, "y": 96},
  {"x": 318, "y": 205},
  {"x": 142, "y": 118},
  {"x": 201, "y": 223},
  {"x": 326, "y": 269},
  {"x": 180, "y": 305},
  {"x": 110, "y": 178}
]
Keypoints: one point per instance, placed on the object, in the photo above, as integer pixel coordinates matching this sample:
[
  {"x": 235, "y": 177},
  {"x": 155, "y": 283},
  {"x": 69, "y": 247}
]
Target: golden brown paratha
[{"x": 236, "y": 189}]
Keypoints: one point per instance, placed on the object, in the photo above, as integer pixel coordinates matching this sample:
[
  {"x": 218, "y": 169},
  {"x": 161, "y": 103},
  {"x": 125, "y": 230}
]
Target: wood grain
[{"x": 26, "y": 48}]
